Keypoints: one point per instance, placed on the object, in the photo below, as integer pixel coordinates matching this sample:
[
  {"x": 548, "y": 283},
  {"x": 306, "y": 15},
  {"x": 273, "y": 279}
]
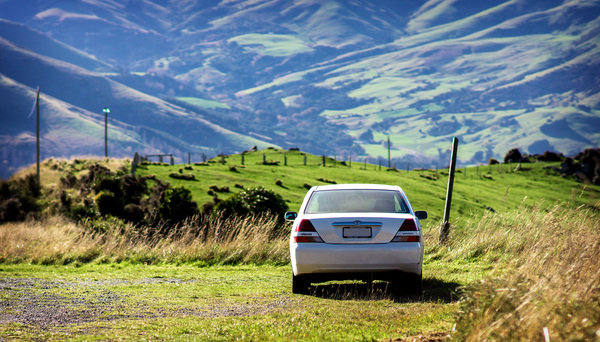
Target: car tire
[
  {"x": 415, "y": 284},
  {"x": 299, "y": 284}
]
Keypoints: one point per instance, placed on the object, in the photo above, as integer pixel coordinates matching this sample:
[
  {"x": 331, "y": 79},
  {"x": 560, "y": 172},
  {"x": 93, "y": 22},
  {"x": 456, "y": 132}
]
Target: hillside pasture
[{"x": 502, "y": 188}]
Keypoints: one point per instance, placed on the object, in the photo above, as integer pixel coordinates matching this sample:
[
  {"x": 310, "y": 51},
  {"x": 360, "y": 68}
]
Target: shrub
[
  {"x": 11, "y": 210},
  {"x": 252, "y": 201},
  {"x": 271, "y": 162},
  {"x": 187, "y": 176},
  {"x": 176, "y": 204},
  {"x": 109, "y": 204},
  {"x": 216, "y": 188},
  {"x": 513, "y": 156},
  {"x": 550, "y": 157},
  {"x": 493, "y": 161},
  {"x": 279, "y": 182},
  {"x": 133, "y": 213},
  {"x": 18, "y": 198},
  {"x": 82, "y": 211}
]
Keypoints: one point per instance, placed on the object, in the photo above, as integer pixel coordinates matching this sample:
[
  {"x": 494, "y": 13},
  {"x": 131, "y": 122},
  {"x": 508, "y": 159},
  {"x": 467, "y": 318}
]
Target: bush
[
  {"x": 11, "y": 210},
  {"x": 109, "y": 204},
  {"x": 18, "y": 198},
  {"x": 82, "y": 211},
  {"x": 252, "y": 201},
  {"x": 216, "y": 188},
  {"x": 270, "y": 162},
  {"x": 493, "y": 161},
  {"x": 176, "y": 205},
  {"x": 513, "y": 156},
  {"x": 550, "y": 157},
  {"x": 187, "y": 176}
]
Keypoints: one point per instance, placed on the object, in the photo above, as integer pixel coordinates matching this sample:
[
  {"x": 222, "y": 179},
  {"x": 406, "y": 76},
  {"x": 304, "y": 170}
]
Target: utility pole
[
  {"x": 389, "y": 159},
  {"x": 445, "y": 227},
  {"x": 37, "y": 134},
  {"x": 106, "y": 111}
]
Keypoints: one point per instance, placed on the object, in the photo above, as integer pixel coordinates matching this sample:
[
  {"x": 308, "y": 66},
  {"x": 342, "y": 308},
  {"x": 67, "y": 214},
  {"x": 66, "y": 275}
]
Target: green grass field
[
  {"x": 523, "y": 244},
  {"x": 476, "y": 190},
  {"x": 184, "y": 302}
]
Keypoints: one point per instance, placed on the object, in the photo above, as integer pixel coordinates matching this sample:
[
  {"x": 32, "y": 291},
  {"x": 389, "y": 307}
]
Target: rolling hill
[
  {"x": 71, "y": 119},
  {"x": 330, "y": 77}
]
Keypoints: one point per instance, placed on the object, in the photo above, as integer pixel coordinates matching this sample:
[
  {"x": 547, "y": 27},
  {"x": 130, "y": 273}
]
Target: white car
[{"x": 359, "y": 232}]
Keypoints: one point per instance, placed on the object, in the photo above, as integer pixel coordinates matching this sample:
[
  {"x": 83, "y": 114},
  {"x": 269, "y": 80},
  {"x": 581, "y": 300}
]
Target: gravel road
[{"x": 46, "y": 304}]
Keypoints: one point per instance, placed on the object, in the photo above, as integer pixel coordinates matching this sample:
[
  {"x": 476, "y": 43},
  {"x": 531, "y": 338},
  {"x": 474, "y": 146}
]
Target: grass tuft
[{"x": 547, "y": 278}]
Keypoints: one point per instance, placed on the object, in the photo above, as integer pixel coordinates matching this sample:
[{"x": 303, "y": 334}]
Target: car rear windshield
[{"x": 356, "y": 201}]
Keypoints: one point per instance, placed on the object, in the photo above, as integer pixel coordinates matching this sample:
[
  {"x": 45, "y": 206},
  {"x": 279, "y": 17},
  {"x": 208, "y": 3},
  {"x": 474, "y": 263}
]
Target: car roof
[{"x": 356, "y": 187}]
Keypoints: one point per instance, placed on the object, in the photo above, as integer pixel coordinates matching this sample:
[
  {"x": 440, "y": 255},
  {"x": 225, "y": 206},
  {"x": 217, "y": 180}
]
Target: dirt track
[{"x": 45, "y": 303}]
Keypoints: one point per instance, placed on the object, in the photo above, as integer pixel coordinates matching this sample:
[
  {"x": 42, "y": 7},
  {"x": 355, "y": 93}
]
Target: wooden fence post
[{"x": 445, "y": 227}]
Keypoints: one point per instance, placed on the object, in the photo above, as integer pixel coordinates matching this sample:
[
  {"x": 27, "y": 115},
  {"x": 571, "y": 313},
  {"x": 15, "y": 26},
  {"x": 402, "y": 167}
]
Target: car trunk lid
[{"x": 358, "y": 228}]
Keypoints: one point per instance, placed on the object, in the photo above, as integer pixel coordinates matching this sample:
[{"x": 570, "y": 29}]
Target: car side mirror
[
  {"x": 421, "y": 214},
  {"x": 290, "y": 216}
]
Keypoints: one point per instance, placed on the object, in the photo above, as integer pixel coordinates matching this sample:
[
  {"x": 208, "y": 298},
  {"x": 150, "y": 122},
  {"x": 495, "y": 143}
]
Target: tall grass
[
  {"x": 55, "y": 240},
  {"x": 546, "y": 283}
]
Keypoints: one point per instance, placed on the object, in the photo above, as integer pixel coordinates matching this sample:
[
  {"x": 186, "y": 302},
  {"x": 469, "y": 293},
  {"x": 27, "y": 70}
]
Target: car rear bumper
[{"x": 314, "y": 258}]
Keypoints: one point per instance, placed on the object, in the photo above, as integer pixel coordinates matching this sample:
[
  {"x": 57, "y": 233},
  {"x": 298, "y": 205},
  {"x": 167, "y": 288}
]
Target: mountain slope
[
  {"x": 71, "y": 97},
  {"x": 339, "y": 77}
]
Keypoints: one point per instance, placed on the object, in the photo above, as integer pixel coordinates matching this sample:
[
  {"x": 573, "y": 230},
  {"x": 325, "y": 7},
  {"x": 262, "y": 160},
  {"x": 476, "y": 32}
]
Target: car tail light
[
  {"x": 404, "y": 235},
  {"x": 306, "y": 232},
  {"x": 408, "y": 226}
]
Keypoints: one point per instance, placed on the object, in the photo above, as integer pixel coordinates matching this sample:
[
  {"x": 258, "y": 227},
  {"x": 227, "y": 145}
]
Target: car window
[{"x": 356, "y": 201}]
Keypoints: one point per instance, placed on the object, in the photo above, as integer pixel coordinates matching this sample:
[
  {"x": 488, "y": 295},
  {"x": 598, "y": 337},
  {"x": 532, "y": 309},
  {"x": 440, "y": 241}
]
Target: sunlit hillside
[{"x": 333, "y": 77}]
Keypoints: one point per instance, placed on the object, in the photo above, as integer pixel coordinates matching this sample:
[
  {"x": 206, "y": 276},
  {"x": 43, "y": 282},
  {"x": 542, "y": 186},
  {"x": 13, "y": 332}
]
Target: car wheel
[
  {"x": 299, "y": 285},
  {"x": 415, "y": 284}
]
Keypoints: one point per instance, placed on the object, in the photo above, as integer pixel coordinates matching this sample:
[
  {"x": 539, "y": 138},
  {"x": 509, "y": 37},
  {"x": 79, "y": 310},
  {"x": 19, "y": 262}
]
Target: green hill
[{"x": 476, "y": 189}]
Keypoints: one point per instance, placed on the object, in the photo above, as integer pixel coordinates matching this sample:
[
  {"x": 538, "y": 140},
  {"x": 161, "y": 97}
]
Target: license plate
[{"x": 357, "y": 233}]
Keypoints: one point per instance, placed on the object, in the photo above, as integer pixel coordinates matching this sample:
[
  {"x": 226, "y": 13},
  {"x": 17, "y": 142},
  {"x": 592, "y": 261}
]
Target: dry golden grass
[
  {"x": 58, "y": 241},
  {"x": 52, "y": 169},
  {"x": 547, "y": 285}
]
